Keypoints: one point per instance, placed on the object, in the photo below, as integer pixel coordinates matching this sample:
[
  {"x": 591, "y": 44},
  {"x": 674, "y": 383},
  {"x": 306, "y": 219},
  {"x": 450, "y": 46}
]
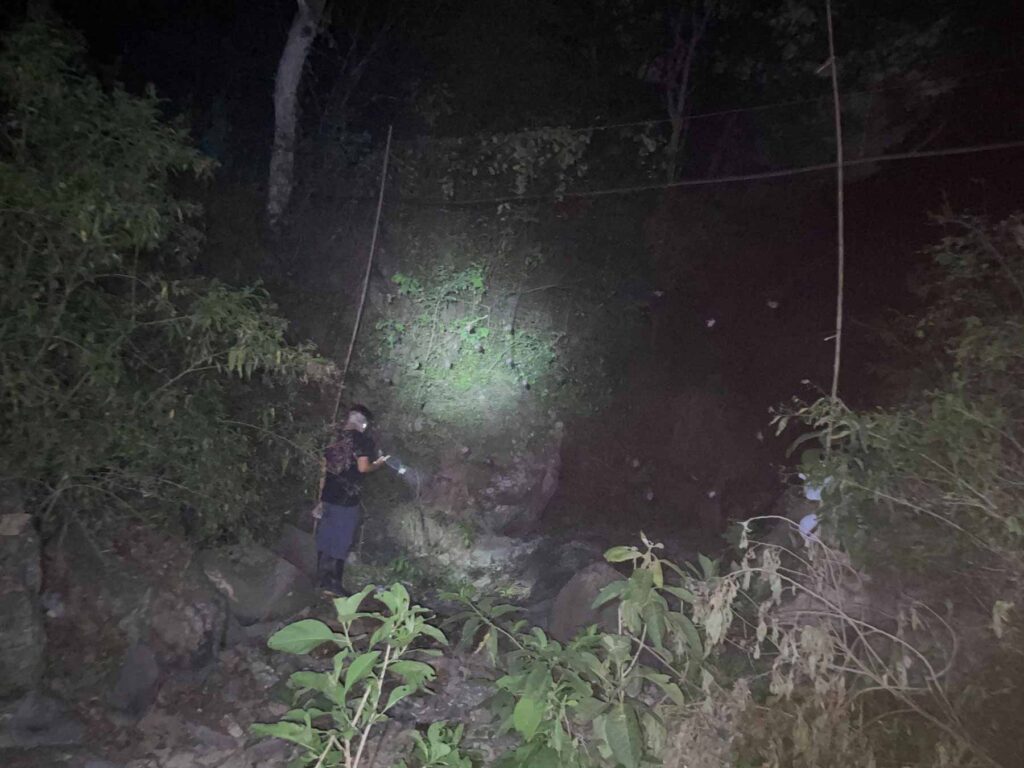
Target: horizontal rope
[{"x": 802, "y": 170}]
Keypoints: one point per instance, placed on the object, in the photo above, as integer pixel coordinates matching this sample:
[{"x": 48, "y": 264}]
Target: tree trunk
[
  {"x": 673, "y": 148},
  {"x": 685, "y": 42},
  {"x": 286, "y": 107}
]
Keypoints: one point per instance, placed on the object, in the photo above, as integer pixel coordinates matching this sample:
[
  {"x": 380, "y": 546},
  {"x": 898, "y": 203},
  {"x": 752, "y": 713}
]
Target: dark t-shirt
[{"x": 344, "y": 481}]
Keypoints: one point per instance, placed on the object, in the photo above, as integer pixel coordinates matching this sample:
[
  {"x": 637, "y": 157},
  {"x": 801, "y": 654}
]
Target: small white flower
[{"x": 710, "y": 322}]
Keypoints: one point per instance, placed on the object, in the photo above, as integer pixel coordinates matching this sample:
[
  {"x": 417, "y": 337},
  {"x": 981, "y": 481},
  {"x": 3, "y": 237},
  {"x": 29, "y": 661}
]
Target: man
[{"x": 347, "y": 459}]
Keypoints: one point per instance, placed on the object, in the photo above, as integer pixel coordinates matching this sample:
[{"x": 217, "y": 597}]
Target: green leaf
[
  {"x": 301, "y": 637},
  {"x": 500, "y": 610},
  {"x": 538, "y": 681},
  {"x": 618, "y": 647},
  {"x": 397, "y": 694},
  {"x": 683, "y": 594},
  {"x": 468, "y": 634},
  {"x": 412, "y": 672},
  {"x": 672, "y": 690},
  {"x": 347, "y": 607},
  {"x": 610, "y": 592},
  {"x": 526, "y": 717},
  {"x": 434, "y": 633},
  {"x": 360, "y": 668},
  {"x": 658, "y": 574},
  {"x": 625, "y": 738},
  {"x": 590, "y": 708},
  {"x": 654, "y": 619},
  {"x": 384, "y": 631},
  {"x": 654, "y": 732},
  {"x": 318, "y": 681},
  {"x": 396, "y": 598},
  {"x": 302, "y": 735},
  {"x": 707, "y": 565},
  {"x": 690, "y": 633},
  {"x": 621, "y": 554}
]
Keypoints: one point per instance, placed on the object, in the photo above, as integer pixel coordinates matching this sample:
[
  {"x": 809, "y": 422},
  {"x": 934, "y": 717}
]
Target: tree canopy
[{"x": 115, "y": 359}]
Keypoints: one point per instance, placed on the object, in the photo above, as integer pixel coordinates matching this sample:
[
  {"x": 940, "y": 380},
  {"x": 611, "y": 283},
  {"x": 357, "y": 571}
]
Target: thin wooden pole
[
  {"x": 362, "y": 304},
  {"x": 366, "y": 277},
  {"x": 840, "y": 217}
]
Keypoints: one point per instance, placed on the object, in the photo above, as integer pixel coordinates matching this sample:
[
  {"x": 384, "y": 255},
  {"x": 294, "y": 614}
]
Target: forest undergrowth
[
  {"x": 875, "y": 639},
  {"x": 131, "y": 388}
]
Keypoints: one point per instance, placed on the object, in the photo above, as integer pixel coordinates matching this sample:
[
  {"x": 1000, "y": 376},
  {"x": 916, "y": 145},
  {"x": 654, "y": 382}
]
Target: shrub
[
  {"x": 129, "y": 387},
  {"x": 943, "y": 470},
  {"x": 337, "y": 710}
]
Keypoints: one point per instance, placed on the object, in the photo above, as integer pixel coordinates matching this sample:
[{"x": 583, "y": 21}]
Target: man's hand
[
  {"x": 381, "y": 459},
  {"x": 318, "y": 510}
]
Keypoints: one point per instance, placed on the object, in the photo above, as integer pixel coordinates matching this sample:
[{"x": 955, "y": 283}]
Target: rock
[
  {"x": 517, "y": 494},
  {"x": 505, "y": 496},
  {"x": 137, "y": 682},
  {"x": 40, "y": 721},
  {"x": 486, "y": 559},
  {"x": 298, "y": 547},
  {"x": 53, "y": 604},
  {"x": 187, "y": 626},
  {"x": 572, "y": 609},
  {"x": 457, "y": 700},
  {"x": 212, "y": 738},
  {"x": 13, "y": 523},
  {"x": 258, "y": 585},
  {"x": 22, "y": 636},
  {"x": 262, "y": 754},
  {"x": 101, "y": 594},
  {"x": 556, "y": 561},
  {"x": 271, "y": 752}
]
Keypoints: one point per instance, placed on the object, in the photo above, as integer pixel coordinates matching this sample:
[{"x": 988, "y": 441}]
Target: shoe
[{"x": 334, "y": 589}]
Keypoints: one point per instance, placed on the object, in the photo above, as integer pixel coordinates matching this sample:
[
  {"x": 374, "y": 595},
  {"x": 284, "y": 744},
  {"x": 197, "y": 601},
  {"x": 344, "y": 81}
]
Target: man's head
[{"x": 359, "y": 417}]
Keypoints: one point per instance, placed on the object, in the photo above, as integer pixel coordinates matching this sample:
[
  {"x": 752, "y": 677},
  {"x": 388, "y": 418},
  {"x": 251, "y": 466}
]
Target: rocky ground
[
  {"x": 138, "y": 650},
  {"x": 155, "y": 656}
]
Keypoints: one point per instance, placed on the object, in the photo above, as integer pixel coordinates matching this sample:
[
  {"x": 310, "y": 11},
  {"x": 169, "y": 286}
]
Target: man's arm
[
  {"x": 366, "y": 466},
  {"x": 364, "y": 449}
]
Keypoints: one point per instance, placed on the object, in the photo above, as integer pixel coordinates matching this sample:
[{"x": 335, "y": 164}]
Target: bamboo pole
[{"x": 359, "y": 311}]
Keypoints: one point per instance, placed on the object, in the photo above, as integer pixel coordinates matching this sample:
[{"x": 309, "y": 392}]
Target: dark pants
[{"x": 335, "y": 535}]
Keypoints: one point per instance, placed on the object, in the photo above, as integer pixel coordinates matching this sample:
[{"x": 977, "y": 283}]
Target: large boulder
[
  {"x": 135, "y": 612},
  {"x": 258, "y": 585},
  {"x": 573, "y": 608},
  {"x": 137, "y": 682},
  {"x": 39, "y": 721},
  {"x": 22, "y": 636},
  {"x": 187, "y": 624},
  {"x": 298, "y": 547},
  {"x": 488, "y": 560},
  {"x": 556, "y": 560},
  {"x": 519, "y": 492},
  {"x": 505, "y": 495}
]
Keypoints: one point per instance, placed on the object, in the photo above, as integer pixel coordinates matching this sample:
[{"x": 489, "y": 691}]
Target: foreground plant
[
  {"x": 602, "y": 699},
  {"x": 437, "y": 748},
  {"x": 377, "y": 662}
]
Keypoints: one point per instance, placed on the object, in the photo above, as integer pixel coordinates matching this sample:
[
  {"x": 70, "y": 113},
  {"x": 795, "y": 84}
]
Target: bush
[
  {"x": 128, "y": 386},
  {"x": 781, "y": 660},
  {"x": 943, "y": 472},
  {"x": 337, "y": 710}
]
